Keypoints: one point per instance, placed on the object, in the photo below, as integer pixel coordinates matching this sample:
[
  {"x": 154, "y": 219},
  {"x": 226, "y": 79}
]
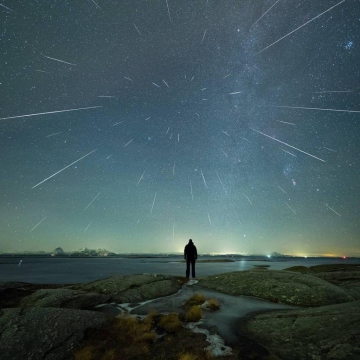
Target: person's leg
[
  {"x": 187, "y": 268},
  {"x": 193, "y": 268}
]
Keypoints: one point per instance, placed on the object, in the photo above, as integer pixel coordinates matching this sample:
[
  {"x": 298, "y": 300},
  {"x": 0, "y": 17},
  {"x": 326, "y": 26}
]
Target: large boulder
[
  {"x": 132, "y": 288},
  {"x": 64, "y": 298},
  {"x": 44, "y": 333},
  {"x": 278, "y": 286},
  {"x": 328, "y": 332}
]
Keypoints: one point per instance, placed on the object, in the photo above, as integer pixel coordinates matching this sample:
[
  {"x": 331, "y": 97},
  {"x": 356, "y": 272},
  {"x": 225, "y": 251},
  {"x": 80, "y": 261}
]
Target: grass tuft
[
  {"x": 213, "y": 305},
  {"x": 150, "y": 317},
  {"x": 170, "y": 323},
  {"x": 194, "y": 314},
  {"x": 187, "y": 356},
  {"x": 85, "y": 353},
  {"x": 109, "y": 355},
  {"x": 133, "y": 336},
  {"x": 196, "y": 299}
]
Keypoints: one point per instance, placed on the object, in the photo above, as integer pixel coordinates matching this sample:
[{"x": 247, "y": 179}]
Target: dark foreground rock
[
  {"x": 44, "y": 333},
  {"x": 327, "y": 332},
  {"x": 278, "y": 286},
  {"x": 347, "y": 276},
  {"x": 64, "y": 298},
  {"x": 11, "y": 293},
  {"x": 133, "y": 288}
]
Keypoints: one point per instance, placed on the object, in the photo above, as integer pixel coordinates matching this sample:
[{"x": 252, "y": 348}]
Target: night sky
[{"x": 195, "y": 122}]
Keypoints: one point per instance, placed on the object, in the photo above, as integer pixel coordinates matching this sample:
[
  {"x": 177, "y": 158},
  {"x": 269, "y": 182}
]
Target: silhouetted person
[{"x": 190, "y": 255}]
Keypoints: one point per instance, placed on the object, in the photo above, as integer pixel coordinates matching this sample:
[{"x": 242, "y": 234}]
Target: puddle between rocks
[{"x": 216, "y": 325}]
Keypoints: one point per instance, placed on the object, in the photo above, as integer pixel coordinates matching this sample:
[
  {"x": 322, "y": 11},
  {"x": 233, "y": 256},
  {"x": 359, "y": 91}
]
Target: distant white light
[{"x": 269, "y": 256}]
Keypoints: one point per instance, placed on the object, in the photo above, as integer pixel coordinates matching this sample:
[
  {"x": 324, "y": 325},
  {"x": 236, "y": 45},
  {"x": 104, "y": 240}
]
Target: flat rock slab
[
  {"x": 44, "y": 333},
  {"x": 133, "y": 288},
  {"x": 64, "y": 298},
  {"x": 328, "y": 332},
  {"x": 278, "y": 286}
]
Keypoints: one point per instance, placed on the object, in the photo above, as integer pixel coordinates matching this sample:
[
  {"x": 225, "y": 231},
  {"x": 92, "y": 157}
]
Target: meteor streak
[
  {"x": 221, "y": 182},
  {"x": 290, "y": 207},
  {"x": 308, "y": 108},
  {"x": 128, "y": 143},
  {"x": 288, "y": 152},
  {"x": 7, "y": 8},
  {"x": 62, "y": 61},
  {"x": 248, "y": 199},
  {"x": 224, "y": 152},
  {"x": 331, "y": 209},
  {"x": 117, "y": 123},
  {"x": 203, "y": 36},
  {"x": 282, "y": 190},
  {"x": 191, "y": 190},
  {"x": 209, "y": 219},
  {"x": 50, "y": 112},
  {"x": 140, "y": 178},
  {"x": 301, "y": 26},
  {"x": 165, "y": 83},
  {"x": 37, "y": 224},
  {"x": 87, "y": 227},
  {"x": 137, "y": 30},
  {"x": 168, "y": 10},
  {"x": 46, "y": 72},
  {"x": 324, "y": 92},
  {"x": 203, "y": 178},
  {"x": 284, "y": 122},
  {"x": 264, "y": 13},
  {"x": 54, "y": 134},
  {"x": 92, "y": 201},
  {"x": 329, "y": 149},
  {"x": 174, "y": 169},
  {"x": 156, "y": 84},
  {"x": 63, "y": 169},
  {"x": 225, "y": 133},
  {"x": 96, "y": 4},
  {"x": 236, "y": 92},
  {"x": 153, "y": 204},
  {"x": 128, "y": 78},
  {"x": 288, "y": 145}
]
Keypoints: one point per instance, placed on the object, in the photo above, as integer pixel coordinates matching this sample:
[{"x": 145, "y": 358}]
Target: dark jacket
[{"x": 190, "y": 252}]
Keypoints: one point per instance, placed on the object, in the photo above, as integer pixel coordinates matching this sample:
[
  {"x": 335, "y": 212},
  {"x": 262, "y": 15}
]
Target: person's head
[{"x": 190, "y": 241}]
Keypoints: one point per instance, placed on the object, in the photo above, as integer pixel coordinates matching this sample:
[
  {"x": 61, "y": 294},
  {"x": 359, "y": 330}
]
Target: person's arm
[{"x": 195, "y": 253}]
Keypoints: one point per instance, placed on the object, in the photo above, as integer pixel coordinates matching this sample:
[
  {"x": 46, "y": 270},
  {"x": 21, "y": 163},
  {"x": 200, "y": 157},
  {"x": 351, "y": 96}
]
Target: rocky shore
[{"x": 55, "y": 321}]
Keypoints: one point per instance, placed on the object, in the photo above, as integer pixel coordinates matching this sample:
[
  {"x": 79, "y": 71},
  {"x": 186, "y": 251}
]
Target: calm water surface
[{"x": 81, "y": 270}]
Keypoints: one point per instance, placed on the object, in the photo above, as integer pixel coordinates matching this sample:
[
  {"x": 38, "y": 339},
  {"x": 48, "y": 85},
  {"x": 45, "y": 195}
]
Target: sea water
[{"x": 55, "y": 270}]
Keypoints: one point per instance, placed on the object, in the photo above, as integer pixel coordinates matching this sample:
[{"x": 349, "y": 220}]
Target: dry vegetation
[
  {"x": 196, "y": 299},
  {"x": 194, "y": 314},
  {"x": 213, "y": 305},
  {"x": 170, "y": 323}
]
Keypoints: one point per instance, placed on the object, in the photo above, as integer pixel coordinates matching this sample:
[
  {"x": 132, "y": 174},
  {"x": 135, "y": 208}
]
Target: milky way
[{"x": 235, "y": 123}]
